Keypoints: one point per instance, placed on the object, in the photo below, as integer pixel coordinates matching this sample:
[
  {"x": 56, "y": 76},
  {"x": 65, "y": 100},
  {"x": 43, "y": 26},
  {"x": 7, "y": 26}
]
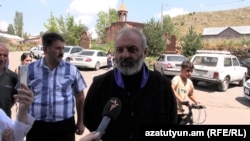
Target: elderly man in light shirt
[{"x": 16, "y": 130}]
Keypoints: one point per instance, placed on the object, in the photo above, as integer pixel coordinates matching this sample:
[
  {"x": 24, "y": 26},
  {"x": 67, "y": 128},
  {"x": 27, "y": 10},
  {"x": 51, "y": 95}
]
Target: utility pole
[{"x": 162, "y": 14}]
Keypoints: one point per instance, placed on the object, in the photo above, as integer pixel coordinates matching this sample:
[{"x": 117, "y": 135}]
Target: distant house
[
  {"x": 33, "y": 39},
  {"x": 16, "y": 40},
  {"x": 230, "y": 32}
]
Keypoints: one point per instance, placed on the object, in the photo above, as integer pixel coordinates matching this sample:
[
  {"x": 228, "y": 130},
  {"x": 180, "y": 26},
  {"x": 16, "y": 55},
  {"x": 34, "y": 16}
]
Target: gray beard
[{"x": 132, "y": 70}]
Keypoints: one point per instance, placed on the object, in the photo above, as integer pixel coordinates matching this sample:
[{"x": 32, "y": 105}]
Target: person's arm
[
  {"x": 24, "y": 121},
  {"x": 191, "y": 94},
  {"x": 90, "y": 136},
  {"x": 16, "y": 70},
  {"x": 79, "y": 108},
  {"x": 6, "y": 127},
  {"x": 7, "y": 135},
  {"x": 22, "y": 128}
]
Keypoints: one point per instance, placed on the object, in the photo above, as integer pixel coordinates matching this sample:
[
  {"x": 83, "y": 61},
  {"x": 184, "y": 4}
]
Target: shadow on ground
[{"x": 243, "y": 101}]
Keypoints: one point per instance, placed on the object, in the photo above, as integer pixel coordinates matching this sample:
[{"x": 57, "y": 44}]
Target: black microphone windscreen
[{"x": 112, "y": 108}]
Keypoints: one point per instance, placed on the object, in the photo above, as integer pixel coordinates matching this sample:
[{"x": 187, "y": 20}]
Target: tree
[
  {"x": 11, "y": 30},
  {"x": 18, "y": 24},
  {"x": 191, "y": 42},
  {"x": 154, "y": 34},
  {"x": 70, "y": 31},
  {"x": 52, "y": 24},
  {"x": 104, "y": 20},
  {"x": 168, "y": 25},
  {"x": 26, "y": 35}
]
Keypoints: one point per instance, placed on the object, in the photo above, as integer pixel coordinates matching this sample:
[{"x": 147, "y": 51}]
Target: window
[
  {"x": 87, "y": 53},
  {"x": 235, "y": 62},
  {"x": 206, "y": 61},
  {"x": 176, "y": 58},
  {"x": 227, "y": 62}
]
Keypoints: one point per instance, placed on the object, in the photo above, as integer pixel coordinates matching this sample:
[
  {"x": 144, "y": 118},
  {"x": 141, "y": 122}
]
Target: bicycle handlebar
[{"x": 194, "y": 106}]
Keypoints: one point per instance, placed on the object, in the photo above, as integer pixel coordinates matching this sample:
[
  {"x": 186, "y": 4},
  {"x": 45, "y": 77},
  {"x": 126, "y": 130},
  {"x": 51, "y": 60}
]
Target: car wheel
[
  {"x": 241, "y": 82},
  {"x": 97, "y": 66},
  {"x": 67, "y": 59},
  {"x": 195, "y": 82},
  {"x": 224, "y": 85}
]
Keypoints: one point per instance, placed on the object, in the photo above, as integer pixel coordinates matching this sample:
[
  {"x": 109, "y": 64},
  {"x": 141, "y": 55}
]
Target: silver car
[
  {"x": 169, "y": 64},
  {"x": 89, "y": 58},
  {"x": 246, "y": 89},
  {"x": 69, "y": 50}
]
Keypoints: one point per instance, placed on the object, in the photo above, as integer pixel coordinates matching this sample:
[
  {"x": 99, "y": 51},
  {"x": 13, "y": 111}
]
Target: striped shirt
[{"x": 54, "y": 90}]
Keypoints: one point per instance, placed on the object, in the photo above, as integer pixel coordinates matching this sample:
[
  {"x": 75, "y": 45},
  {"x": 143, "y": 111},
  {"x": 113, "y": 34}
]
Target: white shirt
[{"x": 20, "y": 129}]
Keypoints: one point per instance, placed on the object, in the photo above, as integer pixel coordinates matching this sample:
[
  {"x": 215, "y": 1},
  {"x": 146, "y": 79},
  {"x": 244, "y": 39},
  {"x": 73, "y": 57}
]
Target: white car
[
  {"x": 69, "y": 50},
  {"x": 89, "y": 58},
  {"x": 169, "y": 64},
  {"x": 38, "y": 52},
  {"x": 31, "y": 50},
  {"x": 246, "y": 89},
  {"x": 217, "y": 67}
]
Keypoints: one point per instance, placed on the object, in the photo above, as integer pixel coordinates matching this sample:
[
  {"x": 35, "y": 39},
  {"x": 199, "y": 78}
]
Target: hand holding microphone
[{"x": 111, "y": 111}]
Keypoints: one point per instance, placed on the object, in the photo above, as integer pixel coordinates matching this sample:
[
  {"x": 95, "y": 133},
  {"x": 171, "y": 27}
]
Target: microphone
[{"x": 111, "y": 111}]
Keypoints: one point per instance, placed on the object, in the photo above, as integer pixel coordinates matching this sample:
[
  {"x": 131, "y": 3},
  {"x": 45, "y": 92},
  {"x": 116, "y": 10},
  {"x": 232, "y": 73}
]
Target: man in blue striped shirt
[{"x": 58, "y": 89}]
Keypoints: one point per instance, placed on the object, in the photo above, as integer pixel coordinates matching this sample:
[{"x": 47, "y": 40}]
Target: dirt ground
[{"x": 223, "y": 108}]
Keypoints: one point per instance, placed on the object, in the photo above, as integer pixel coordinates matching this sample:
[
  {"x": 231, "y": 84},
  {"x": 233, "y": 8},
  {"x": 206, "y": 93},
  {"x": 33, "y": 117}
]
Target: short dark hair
[
  {"x": 187, "y": 64},
  {"x": 49, "y": 37},
  {"x": 25, "y": 55}
]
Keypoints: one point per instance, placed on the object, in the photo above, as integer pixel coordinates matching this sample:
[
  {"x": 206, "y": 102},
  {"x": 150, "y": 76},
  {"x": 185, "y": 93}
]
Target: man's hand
[
  {"x": 90, "y": 136},
  {"x": 25, "y": 97},
  {"x": 8, "y": 135}
]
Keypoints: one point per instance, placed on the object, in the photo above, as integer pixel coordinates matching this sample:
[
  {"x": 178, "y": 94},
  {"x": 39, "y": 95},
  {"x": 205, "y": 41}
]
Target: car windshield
[
  {"x": 176, "y": 58},
  {"x": 66, "y": 49},
  {"x": 205, "y": 61},
  {"x": 87, "y": 53}
]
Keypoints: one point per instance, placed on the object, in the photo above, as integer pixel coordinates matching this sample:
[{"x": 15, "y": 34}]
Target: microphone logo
[
  {"x": 111, "y": 111},
  {"x": 114, "y": 104}
]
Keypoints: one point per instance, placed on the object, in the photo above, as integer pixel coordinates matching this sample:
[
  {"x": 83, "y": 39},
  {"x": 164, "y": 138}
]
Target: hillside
[{"x": 200, "y": 20}]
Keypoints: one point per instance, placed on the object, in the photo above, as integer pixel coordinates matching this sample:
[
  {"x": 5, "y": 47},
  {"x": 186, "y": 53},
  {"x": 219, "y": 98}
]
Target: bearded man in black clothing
[{"x": 146, "y": 96}]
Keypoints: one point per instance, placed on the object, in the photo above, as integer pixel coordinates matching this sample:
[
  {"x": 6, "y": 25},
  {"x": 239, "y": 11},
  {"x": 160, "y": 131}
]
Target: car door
[
  {"x": 102, "y": 57},
  {"x": 237, "y": 69},
  {"x": 227, "y": 69},
  {"x": 159, "y": 62}
]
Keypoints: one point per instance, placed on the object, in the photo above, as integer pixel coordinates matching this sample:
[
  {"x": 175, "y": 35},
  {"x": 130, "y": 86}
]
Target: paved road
[{"x": 228, "y": 107}]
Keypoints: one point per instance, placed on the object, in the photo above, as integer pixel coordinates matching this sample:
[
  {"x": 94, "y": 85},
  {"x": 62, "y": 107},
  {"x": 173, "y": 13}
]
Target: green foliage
[
  {"x": 154, "y": 35},
  {"x": 109, "y": 46},
  {"x": 25, "y": 35},
  {"x": 18, "y": 24},
  {"x": 104, "y": 20},
  {"x": 105, "y": 47},
  {"x": 245, "y": 41},
  {"x": 155, "y": 32},
  {"x": 226, "y": 43},
  {"x": 52, "y": 24},
  {"x": 10, "y": 30},
  {"x": 191, "y": 42},
  {"x": 70, "y": 31},
  {"x": 168, "y": 25}
]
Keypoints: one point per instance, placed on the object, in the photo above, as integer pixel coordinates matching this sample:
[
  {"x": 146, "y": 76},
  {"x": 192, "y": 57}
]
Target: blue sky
[{"x": 37, "y": 12}]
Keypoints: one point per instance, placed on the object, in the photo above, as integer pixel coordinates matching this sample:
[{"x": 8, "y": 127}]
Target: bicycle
[{"x": 187, "y": 118}]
